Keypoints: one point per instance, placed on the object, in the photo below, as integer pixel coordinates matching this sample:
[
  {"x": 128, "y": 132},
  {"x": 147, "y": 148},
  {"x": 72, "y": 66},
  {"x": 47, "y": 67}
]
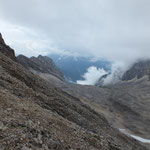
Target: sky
[{"x": 117, "y": 30}]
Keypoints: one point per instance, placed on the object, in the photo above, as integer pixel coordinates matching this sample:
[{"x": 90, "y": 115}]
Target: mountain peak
[
  {"x": 42, "y": 64},
  {"x": 5, "y": 49},
  {"x": 45, "y": 59},
  {"x": 1, "y": 39},
  {"x": 41, "y": 57}
]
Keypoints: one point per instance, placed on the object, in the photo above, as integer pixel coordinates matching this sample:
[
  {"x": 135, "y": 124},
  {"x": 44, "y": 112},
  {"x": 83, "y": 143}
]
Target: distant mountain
[
  {"x": 42, "y": 64},
  {"x": 138, "y": 70},
  {"x": 74, "y": 67}
]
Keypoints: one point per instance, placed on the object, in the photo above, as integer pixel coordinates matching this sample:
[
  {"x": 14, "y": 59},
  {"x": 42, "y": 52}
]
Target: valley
[
  {"x": 75, "y": 75},
  {"x": 39, "y": 110}
]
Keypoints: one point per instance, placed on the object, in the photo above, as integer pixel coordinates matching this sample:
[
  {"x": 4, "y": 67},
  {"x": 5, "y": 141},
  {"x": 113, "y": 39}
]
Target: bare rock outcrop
[
  {"x": 41, "y": 64},
  {"x": 5, "y": 49},
  {"x": 138, "y": 70}
]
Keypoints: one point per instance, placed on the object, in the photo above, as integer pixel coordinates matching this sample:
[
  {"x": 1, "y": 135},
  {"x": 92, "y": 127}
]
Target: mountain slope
[
  {"x": 125, "y": 105},
  {"x": 138, "y": 70},
  {"x": 36, "y": 115},
  {"x": 41, "y": 64}
]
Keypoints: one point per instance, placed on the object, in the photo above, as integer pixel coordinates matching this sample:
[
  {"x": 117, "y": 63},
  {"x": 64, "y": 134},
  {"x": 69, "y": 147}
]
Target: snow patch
[{"x": 135, "y": 137}]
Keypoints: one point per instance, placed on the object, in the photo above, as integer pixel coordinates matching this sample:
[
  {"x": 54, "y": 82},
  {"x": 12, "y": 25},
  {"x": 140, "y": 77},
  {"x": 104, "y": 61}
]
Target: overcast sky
[{"x": 118, "y": 30}]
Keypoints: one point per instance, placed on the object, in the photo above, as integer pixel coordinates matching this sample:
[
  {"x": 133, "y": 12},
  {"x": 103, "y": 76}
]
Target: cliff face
[
  {"x": 5, "y": 49},
  {"x": 41, "y": 64},
  {"x": 2, "y": 40},
  {"x": 138, "y": 70}
]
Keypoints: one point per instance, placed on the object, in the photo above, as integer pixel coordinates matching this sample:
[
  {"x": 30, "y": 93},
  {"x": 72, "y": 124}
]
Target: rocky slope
[
  {"x": 128, "y": 103},
  {"x": 36, "y": 115},
  {"x": 125, "y": 105},
  {"x": 138, "y": 70},
  {"x": 41, "y": 64}
]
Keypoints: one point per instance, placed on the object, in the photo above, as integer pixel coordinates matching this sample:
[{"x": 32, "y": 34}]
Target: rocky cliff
[
  {"x": 138, "y": 70},
  {"x": 42, "y": 64},
  {"x": 5, "y": 49}
]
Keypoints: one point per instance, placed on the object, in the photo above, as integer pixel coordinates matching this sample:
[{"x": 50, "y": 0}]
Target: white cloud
[
  {"x": 91, "y": 76},
  {"x": 24, "y": 40},
  {"x": 113, "y": 29},
  {"x": 117, "y": 71}
]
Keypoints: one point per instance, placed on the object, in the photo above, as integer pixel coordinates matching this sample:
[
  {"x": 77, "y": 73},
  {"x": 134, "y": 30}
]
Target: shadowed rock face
[
  {"x": 100, "y": 82},
  {"x": 41, "y": 64},
  {"x": 6, "y": 49},
  {"x": 1, "y": 39},
  {"x": 138, "y": 70}
]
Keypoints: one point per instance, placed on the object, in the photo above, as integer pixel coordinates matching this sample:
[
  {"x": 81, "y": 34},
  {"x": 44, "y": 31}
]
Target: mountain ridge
[
  {"x": 41, "y": 64},
  {"x": 5, "y": 49},
  {"x": 138, "y": 70}
]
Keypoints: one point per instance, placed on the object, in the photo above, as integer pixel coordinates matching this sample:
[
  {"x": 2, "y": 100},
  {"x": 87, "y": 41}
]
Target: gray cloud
[{"x": 112, "y": 29}]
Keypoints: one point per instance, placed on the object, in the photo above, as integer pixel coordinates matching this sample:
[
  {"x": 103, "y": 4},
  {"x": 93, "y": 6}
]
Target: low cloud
[
  {"x": 30, "y": 42},
  {"x": 116, "y": 73},
  {"x": 116, "y": 30},
  {"x": 24, "y": 40},
  {"x": 92, "y": 76}
]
